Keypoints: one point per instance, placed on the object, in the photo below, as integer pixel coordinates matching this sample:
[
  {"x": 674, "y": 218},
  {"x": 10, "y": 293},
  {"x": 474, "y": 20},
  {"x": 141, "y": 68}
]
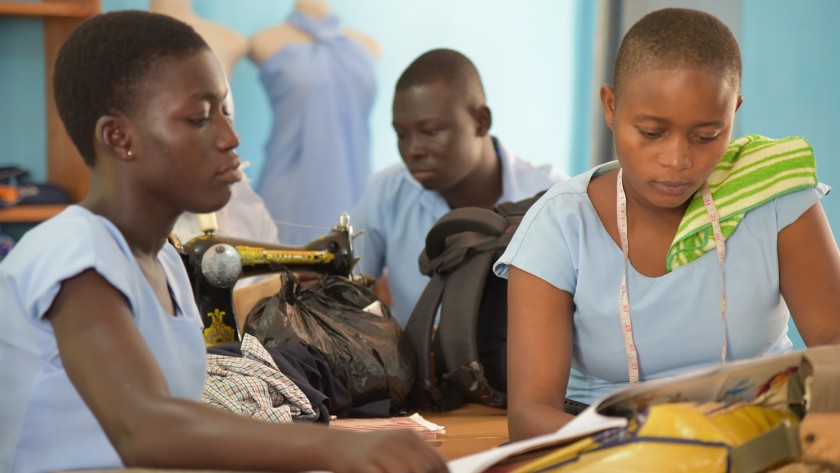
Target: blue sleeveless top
[
  {"x": 317, "y": 155},
  {"x": 45, "y": 425}
]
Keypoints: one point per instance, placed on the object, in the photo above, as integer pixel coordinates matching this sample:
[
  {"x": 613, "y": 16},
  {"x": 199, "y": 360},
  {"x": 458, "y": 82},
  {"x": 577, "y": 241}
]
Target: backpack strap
[
  {"x": 514, "y": 211},
  {"x": 771, "y": 449},
  {"x": 820, "y": 372},
  {"x": 459, "y": 251},
  {"x": 458, "y": 328},
  {"x": 418, "y": 333},
  {"x": 449, "y": 260},
  {"x": 448, "y": 244},
  {"x": 466, "y": 219}
]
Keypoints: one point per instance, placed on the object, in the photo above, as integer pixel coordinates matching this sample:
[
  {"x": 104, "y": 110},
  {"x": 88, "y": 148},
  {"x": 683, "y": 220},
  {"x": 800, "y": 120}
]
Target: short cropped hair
[
  {"x": 678, "y": 38},
  {"x": 447, "y": 66},
  {"x": 104, "y": 62}
]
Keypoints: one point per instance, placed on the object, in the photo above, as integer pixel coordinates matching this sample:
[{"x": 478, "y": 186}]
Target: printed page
[
  {"x": 735, "y": 381},
  {"x": 732, "y": 382},
  {"x": 586, "y": 423}
]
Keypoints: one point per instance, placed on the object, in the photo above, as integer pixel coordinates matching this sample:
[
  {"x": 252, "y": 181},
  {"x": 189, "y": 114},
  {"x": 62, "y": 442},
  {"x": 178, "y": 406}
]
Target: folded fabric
[
  {"x": 253, "y": 386},
  {"x": 308, "y": 369},
  {"x": 753, "y": 171}
]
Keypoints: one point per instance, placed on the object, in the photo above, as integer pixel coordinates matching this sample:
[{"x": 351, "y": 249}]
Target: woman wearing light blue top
[
  {"x": 682, "y": 253},
  {"x": 102, "y": 343}
]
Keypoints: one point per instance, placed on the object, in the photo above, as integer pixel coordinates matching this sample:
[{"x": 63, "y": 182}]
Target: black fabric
[
  {"x": 308, "y": 369},
  {"x": 364, "y": 351},
  {"x": 491, "y": 333},
  {"x": 377, "y": 409},
  {"x": 570, "y": 406}
]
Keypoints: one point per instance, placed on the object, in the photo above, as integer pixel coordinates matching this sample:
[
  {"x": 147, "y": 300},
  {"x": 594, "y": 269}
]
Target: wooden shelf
[
  {"x": 29, "y": 213},
  {"x": 65, "y": 168},
  {"x": 67, "y": 8}
]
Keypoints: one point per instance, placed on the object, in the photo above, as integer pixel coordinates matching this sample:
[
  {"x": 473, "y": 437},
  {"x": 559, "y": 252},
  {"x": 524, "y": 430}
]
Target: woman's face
[
  {"x": 184, "y": 139},
  {"x": 671, "y": 127}
]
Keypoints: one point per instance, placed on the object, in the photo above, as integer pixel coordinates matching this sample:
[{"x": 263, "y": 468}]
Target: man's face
[{"x": 437, "y": 134}]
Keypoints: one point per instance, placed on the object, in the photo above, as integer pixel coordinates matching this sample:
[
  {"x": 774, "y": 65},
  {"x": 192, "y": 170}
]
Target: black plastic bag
[{"x": 365, "y": 351}]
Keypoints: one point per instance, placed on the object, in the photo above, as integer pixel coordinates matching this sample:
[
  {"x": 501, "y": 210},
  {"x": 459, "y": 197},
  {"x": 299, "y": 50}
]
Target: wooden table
[{"x": 469, "y": 429}]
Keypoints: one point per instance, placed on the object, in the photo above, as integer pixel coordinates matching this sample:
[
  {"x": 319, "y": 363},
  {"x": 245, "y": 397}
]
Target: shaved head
[
  {"x": 446, "y": 66},
  {"x": 678, "y": 38},
  {"x": 95, "y": 77}
]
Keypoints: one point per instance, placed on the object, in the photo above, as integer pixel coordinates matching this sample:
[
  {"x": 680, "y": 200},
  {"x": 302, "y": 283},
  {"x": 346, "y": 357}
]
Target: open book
[{"x": 732, "y": 382}]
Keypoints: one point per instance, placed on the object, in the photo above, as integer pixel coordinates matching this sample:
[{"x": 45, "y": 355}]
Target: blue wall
[
  {"x": 23, "y": 118},
  {"x": 791, "y": 69},
  {"x": 790, "y": 82},
  {"x": 585, "y": 89},
  {"x": 525, "y": 56}
]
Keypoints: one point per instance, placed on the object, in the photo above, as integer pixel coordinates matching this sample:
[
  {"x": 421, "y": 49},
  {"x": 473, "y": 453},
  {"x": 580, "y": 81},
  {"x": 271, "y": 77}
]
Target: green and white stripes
[{"x": 754, "y": 170}]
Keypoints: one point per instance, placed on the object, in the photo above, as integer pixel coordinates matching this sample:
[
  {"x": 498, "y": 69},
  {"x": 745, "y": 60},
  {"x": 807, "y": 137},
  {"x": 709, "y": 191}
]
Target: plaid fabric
[{"x": 253, "y": 386}]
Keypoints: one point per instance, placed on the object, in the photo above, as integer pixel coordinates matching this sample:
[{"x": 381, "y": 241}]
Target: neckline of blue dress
[{"x": 326, "y": 28}]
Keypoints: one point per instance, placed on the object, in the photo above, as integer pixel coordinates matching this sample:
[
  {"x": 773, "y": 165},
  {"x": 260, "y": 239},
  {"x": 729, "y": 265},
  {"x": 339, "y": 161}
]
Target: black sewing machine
[{"x": 215, "y": 263}]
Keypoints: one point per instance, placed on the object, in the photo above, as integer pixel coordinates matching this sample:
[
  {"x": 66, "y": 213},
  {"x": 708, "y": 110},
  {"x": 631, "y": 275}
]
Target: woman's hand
[
  {"x": 397, "y": 451},
  {"x": 819, "y": 438}
]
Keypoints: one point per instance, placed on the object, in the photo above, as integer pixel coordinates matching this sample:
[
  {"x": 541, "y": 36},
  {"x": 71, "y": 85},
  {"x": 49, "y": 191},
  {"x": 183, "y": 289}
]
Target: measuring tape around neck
[{"x": 623, "y": 299}]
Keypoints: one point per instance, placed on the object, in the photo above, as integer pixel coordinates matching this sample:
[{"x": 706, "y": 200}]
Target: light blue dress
[
  {"x": 46, "y": 426},
  {"x": 318, "y": 152},
  {"x": 396, "y": 213},
  {"x": 677, "y": 324}
]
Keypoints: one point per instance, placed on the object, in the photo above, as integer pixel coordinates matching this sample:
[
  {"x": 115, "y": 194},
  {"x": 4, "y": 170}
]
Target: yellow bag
[
  {"x": 678, "y": 437},
  {"x": 747, "y": 416}
]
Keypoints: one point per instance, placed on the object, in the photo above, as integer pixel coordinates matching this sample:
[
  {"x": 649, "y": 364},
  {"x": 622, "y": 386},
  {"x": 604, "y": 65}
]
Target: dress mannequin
[
  {"x": 320, "y": 81},
  {"x": 229, "y": 46},
  {"x": 268, "y": 42}
]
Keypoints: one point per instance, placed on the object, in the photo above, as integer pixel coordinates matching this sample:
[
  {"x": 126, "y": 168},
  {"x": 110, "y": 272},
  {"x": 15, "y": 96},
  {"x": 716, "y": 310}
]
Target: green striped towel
[{"x": 754, "y": 170}]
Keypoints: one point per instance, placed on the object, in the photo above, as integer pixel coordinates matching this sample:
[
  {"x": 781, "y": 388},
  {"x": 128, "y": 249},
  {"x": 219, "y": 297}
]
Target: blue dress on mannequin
[{"x": 317, "y": 155}]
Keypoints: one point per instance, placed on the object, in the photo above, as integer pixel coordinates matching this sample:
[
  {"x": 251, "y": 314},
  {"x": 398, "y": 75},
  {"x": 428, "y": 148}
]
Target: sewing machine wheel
[{"x": 221, "y": 265}]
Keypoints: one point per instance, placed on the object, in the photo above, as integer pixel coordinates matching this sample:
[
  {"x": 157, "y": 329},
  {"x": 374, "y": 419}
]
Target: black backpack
[{"x": 466, "y": 359}]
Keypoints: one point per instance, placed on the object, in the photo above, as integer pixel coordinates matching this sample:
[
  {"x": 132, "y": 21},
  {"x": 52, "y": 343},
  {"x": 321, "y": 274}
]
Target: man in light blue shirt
[{"x": 450, "y": 160}]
